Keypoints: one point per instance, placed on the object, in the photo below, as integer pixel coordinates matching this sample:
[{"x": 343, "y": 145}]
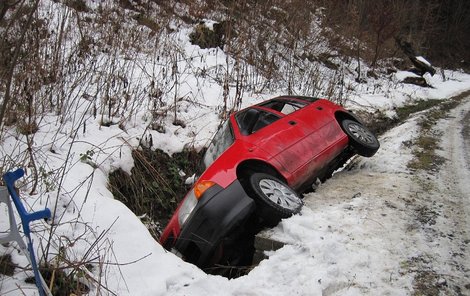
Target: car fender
[{"x": 224, "y": 170}]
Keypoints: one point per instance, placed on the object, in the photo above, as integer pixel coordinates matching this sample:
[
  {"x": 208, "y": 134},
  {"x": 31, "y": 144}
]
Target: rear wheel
[
  {"x": 362, "y": 139},
  {"x": 275, "y": 199}
]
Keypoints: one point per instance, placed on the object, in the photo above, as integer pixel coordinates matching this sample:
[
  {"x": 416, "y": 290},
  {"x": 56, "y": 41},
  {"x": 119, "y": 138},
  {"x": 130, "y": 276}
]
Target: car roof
[
  {"x": 269, "y": 106},
  {"x": 302, "y": 98},
  {"x": 287, "y": 98}
]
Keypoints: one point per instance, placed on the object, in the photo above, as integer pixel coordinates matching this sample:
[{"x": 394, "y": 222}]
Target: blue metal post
[{"x": 27, "y": 218}]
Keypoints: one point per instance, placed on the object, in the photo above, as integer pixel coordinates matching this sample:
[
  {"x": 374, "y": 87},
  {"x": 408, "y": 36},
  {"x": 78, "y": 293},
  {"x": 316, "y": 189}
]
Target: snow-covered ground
[
  {"x": 362, "y": 232},
  {"x": 359, "y": 233},
  {"x": 372, "y": 230}
]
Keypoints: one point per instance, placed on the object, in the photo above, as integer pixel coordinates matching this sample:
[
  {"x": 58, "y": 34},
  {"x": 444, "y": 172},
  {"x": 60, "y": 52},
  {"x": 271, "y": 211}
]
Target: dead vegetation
[
  {"x": 156, "y": 184},
  {"x": 57, "y": 57},
  {"x": 426, "y": 280},
  {"x": 7, "y": 267}
]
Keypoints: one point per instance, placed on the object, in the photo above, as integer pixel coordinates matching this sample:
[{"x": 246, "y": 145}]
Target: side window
[
  {"x": 284, "y": 106},
  {"x": 253, "y": 119},
  {"x": 288, "y": 108},
  {"x": 265, "y": 119}
]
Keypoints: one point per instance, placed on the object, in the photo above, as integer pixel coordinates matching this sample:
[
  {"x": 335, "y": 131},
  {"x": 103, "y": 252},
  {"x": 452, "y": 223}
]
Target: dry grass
[
  {"x": 425, "y": 157},
  {"x": 156, "y": 185}
]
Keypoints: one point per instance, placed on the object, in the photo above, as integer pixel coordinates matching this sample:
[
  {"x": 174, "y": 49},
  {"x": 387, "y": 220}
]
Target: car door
[
  {"x": 312, "y": 125},
  {"x": 324, "y": 134},
  {"x": 304, "y": 144},
  {"x": 273, "y": 133},
  {"x": 285, "y": 138}
]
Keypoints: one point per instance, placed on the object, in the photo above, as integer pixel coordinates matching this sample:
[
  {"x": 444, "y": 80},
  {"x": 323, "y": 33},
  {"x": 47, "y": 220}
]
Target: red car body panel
[
  {"x": 295, "y": 150},
  {"x": 173, "y": 228},
  {"x": 303, "y": 141},
  {"x": 298, "y": 146}
]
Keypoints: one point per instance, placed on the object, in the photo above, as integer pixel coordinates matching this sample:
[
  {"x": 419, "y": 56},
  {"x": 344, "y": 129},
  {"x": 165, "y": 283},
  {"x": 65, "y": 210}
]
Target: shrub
[
  {"x": 156, "y": 184},
  {"x": 207, "y": 38}
]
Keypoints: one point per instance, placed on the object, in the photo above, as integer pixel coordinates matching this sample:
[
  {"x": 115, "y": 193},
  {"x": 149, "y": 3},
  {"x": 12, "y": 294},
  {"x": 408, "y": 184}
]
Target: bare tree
[
  {"x": 13, "y": 62},
  {"x": 5, "y": 5},
  {"x": 382, "y": 19}
]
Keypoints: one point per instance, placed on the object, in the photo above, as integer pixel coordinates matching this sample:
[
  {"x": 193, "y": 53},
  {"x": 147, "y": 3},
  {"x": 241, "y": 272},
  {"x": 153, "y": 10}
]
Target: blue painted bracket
[{"x": 26, "y": 219}]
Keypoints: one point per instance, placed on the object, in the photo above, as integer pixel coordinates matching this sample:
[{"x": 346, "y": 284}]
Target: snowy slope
[
  {"x": 348, "y": 238},
  {"x": 332, "y": 245}
]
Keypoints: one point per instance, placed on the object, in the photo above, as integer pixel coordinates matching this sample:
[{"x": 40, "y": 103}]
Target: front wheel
[
  {"x": 275, "y": 199},
  {"x": 362, "y": 139}
]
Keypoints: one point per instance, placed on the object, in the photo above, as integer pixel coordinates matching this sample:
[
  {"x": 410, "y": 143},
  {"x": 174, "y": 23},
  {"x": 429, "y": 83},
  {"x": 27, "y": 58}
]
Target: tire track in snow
[{"x": 453, "y": 191}]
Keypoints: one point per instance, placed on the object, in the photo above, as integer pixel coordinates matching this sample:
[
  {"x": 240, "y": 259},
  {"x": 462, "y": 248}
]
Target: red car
[{"x": 256, "y": 165}]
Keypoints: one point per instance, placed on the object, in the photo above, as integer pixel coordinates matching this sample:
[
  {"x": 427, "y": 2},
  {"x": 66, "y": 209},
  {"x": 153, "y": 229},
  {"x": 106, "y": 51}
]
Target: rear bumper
[{"x": 217, "y": 213}]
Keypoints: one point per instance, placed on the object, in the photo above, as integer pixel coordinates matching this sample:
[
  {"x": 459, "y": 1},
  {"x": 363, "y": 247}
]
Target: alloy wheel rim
[
  {"x": 361, "y": 133},
  {"x": 279, "y": 194}
]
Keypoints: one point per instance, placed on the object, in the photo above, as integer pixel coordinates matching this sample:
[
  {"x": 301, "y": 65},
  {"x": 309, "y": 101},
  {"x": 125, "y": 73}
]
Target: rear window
[{"x": 284, "y": 106}]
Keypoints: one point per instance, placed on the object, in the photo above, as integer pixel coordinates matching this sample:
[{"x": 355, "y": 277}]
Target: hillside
[{"x": 88, "y": 85}]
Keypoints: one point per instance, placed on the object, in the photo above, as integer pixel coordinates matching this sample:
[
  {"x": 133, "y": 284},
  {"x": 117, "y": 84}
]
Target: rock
[
  {"x": 421, "y": 65},
  {"x": 420, "y": 81}
]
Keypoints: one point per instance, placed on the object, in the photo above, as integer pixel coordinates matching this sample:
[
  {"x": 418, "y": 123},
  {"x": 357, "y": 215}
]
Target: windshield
[{"x": 221, "y": 141}]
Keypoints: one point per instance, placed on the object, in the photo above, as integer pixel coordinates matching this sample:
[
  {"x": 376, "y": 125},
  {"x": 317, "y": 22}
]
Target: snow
[
  {"x": 348, "y": 240},
  {"x": 423, "y": 60},
  {"x": 394, "y": 154},
  {"x": 445, "y": 85}
]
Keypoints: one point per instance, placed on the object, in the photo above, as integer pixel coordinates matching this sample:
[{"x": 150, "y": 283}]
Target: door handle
[{"x": 292, "y": 122}]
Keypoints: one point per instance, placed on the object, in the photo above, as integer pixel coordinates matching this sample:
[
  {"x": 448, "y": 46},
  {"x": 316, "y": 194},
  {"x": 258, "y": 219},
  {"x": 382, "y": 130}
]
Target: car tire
[
  {"x": 275, "y": 199},
  {"x": 361, "y": 138}
]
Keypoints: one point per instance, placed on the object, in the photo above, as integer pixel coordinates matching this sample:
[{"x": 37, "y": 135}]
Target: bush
[
  {"x": 207, "y": 38},
  {"x": 156, "y": 184}
]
